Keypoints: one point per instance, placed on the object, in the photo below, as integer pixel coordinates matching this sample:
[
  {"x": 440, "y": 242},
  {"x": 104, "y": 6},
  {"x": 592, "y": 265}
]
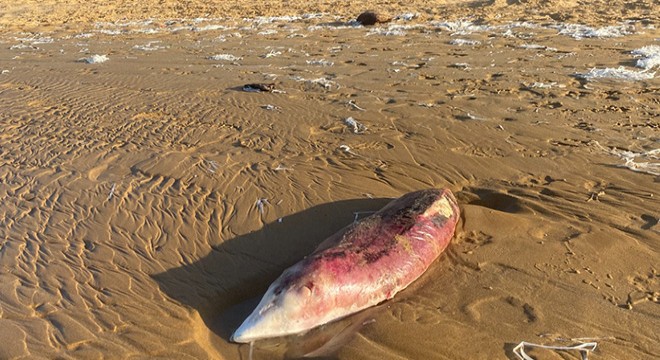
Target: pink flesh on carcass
[{"x": 364, "y": 264}]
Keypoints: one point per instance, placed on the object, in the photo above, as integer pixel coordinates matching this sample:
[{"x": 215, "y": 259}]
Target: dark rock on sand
[{"x": 372, "y": 17}]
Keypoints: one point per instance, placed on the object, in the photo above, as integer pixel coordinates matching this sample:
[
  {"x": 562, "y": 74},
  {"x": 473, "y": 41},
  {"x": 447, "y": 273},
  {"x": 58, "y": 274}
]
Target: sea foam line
[{"x": 650, "y": 60}]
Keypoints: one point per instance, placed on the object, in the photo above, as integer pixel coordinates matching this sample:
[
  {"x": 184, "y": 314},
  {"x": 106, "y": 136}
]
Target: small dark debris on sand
[{"x": 259, "y": 87}]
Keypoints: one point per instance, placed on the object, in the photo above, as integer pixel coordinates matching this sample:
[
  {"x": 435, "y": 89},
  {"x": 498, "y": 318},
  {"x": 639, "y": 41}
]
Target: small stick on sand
[
  {"x": 271, "y": 54},
  {"x": 211, "y": 166},
  {"x": 354, "y": 105},
  {"x": 282, "y": 168},
  {"x": 346, "y": 149},
  {"x": 112, "y": 191}
]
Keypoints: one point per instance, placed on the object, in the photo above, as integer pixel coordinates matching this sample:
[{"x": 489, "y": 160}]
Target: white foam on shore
[
  {"x": 42, "y": 40},
  {"x": 386, "y": 32},
  {"x": 272, "y": 19},
  {"x": 406, "y": 16},
  {"x": 224, "y": 57},
  {"x": 35, "y": 40},
  {"x": 320, "y": 62},
  {"x": 537, "y": 47},
  {"x": 206, "y": 19},
  {"x": 523, "y": 24},
  {"x": 267, "y": 32},
  {"x": 455, "y": 28},
  {"x": 210, "y": 28},
  {"x": 22, "y": 47},
  {"x": 150, "y": 46},
  {"x": 146, "y": 31},
  {"x": 271, "y": 53},
  {"x": 125, "y": 24},
  {"x": 461, "y": 27},
  {"x": 650, "y": 166},
  {"x": 651, "y": 54},
  {"x": 461, "y": 42},
  {"x": 540, "y": 85},
  {"x": 393, "y": 30},
  {"x": 620, "y": 73},
  {"x": 578, "y": 31},
  {"x": 150, "y": 26},
  {"x": 109, "y": 32},
  {"x": 651, "y": 60},
  {"x": 466, "y": 27},
  {"x": 94, "y": 59}
]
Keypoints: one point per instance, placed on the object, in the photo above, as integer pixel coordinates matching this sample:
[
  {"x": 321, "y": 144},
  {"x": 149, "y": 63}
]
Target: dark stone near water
[{"x": 371, "y": 18}]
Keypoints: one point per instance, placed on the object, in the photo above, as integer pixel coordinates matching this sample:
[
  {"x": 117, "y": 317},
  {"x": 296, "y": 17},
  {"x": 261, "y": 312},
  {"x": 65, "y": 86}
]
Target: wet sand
[{"x": 130, "y": 221}]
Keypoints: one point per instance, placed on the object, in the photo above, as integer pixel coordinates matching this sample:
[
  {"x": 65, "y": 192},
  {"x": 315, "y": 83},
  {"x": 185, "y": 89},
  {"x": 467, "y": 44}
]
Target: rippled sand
[{"x": 147, "y": 201}]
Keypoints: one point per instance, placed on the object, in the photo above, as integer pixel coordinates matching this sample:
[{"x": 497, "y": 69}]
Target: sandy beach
[{"x": 147, "y": 201}]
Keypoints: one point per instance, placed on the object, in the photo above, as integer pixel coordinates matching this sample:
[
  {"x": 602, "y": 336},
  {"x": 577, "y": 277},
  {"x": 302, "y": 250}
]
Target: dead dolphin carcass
[{"x": 362, "y": 265}]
